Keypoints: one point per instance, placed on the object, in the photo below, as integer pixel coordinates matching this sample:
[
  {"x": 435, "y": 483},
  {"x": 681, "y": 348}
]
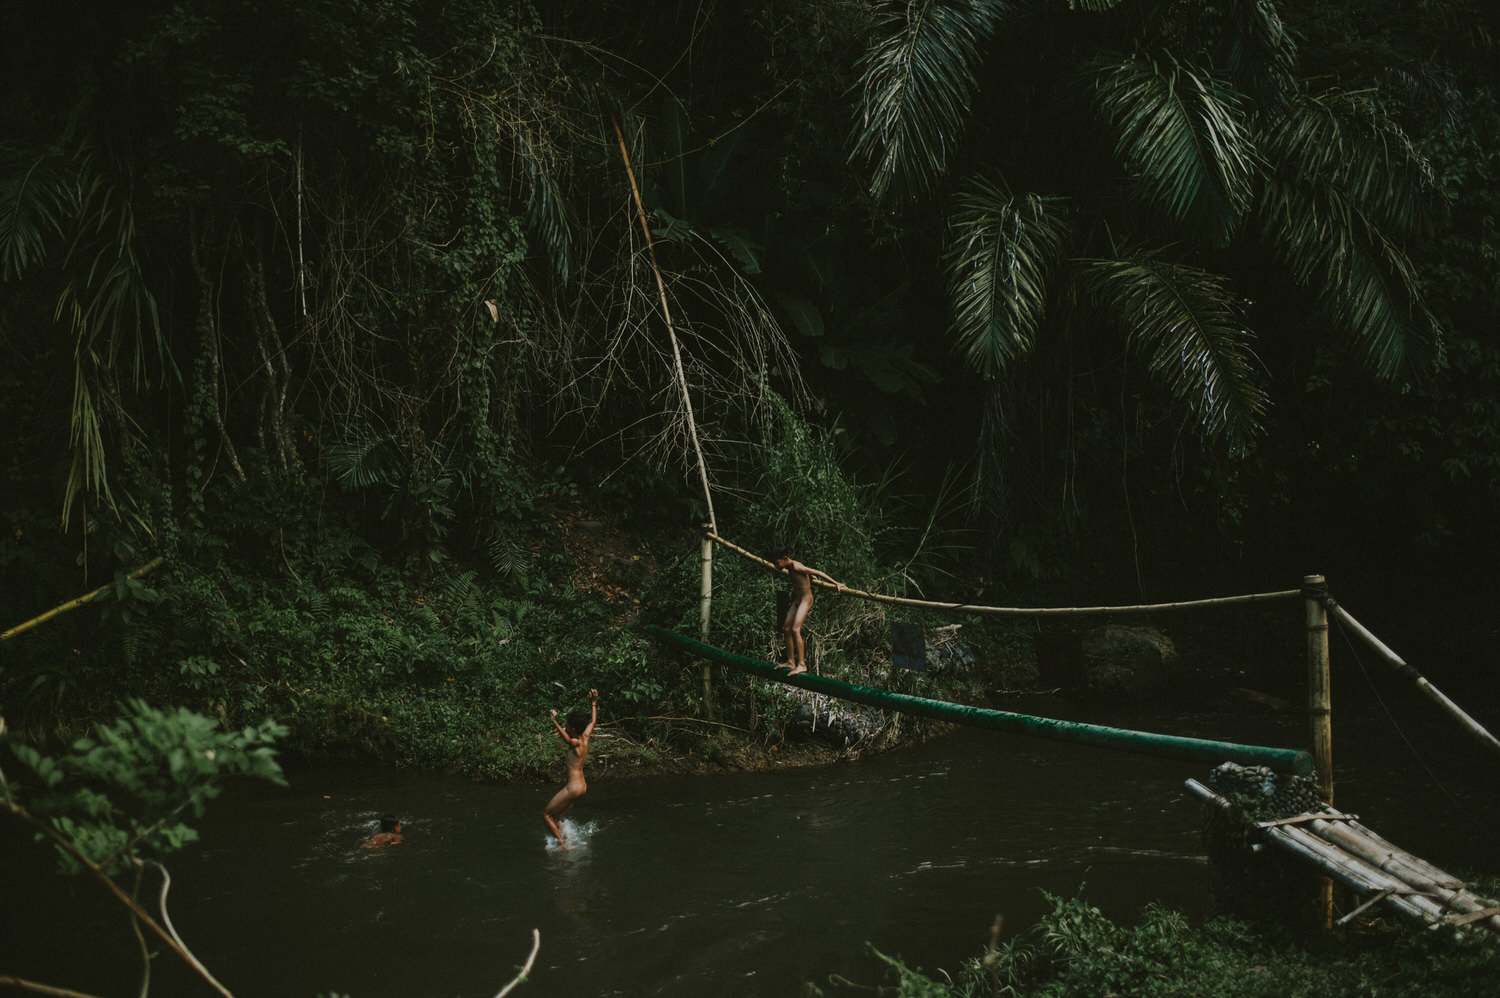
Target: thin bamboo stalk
[
  {"x": 1024, "y": 611},
  {"x": 142, "y": 916},
  {"x": 1453, "y": 710},
  {"x": 666, "y": 311},
  {"x": 681, "y": 374},
  {"x": 73, "y": 604}
]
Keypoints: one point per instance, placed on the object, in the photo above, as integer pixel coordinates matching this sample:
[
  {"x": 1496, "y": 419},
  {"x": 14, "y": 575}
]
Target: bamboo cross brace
[
  {"x": 1298, "y": 819},
  {"x": 1020, "y": 611},
  {"x": 1472, "y": 916},
  {"x": 75, "y": 603}
]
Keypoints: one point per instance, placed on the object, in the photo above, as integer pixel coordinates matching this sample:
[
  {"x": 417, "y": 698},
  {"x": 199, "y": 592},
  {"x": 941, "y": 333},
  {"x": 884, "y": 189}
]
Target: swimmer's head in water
[
  {"x": 577, "y": 721},
  {"x": 390, "y": 823}
]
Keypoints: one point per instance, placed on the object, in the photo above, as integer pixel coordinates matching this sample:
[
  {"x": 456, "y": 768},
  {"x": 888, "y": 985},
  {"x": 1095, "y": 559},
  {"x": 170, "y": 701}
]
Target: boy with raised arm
[{"x": 576, "y": 735}]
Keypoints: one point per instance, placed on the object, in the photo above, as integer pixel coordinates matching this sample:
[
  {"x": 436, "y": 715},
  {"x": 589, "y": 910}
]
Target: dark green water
[{"x": 730, "y": 885}]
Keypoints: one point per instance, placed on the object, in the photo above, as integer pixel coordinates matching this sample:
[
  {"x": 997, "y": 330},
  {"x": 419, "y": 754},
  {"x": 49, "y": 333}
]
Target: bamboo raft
[{"x": 1378, "y": 871}]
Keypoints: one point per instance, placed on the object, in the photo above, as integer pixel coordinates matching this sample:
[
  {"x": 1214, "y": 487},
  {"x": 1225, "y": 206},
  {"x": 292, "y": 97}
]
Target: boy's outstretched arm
[
  {"x": 593, "y": 712},
  {"x": 563, "y": 732},
  {"x": 823, "y": 575}
]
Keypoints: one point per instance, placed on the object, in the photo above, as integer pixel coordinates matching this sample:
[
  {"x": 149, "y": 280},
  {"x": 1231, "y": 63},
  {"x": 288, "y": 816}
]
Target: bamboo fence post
[
  {"x": 1320, "y": 708},
  {"x": 1319, "y": 693},
  {"x": 705, "y": 600}
]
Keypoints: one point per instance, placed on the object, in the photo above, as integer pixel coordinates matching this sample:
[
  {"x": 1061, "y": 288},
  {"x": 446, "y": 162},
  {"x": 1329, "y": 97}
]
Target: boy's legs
[
  {"x": 796, "y": 654},
  {"x": 789, "y": 636},
  {"x": 557, "y": 809},
  {"x": 796, "y": 650}
]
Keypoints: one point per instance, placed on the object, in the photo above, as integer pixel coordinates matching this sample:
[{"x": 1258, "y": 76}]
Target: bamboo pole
[
  {"x": 1423, "y": 872},
  {"x": 1320, "y": 708},
  {"x": 1470, "y": 725},
  {"x": 1319, "y": 688},
  {"x": 681, "y": 374},
  {"x": 1016, "y": 611},
  {"x": 73, "y": 604},
  {"x": 1356, "y": 873},
  {"x": 706, "y": 595},
  {"x": 1452, "y": 893}
]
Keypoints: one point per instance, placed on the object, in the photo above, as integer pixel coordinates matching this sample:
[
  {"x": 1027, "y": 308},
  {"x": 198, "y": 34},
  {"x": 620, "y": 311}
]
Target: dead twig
[{"x": 520, "y": 978}]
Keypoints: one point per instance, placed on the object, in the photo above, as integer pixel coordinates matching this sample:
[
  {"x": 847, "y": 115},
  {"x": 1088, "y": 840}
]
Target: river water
[{"x": 740, "y": 885}]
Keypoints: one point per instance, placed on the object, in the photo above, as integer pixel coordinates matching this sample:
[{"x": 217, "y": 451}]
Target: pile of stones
[{"x": 1270, "y": 794}]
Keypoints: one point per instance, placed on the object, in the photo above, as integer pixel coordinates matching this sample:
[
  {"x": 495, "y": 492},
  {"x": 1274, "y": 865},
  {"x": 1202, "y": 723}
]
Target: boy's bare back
[{"x": 577, "y": 739}]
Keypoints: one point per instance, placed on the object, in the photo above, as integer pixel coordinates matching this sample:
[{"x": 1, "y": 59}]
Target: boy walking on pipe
[{"x": 802, "y": 601}]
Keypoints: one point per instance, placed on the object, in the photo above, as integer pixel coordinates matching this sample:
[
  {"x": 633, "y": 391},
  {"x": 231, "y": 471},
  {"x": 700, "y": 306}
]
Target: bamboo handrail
[
  {"x": 1016, "y": 611},
  {"x": 1453, "y": 710},
  {"x": 75, "y": 603}
]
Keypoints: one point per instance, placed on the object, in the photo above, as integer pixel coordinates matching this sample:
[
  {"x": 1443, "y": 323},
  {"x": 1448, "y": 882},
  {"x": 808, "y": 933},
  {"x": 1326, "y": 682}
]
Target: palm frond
[
  {"x": 1364, "y": 281},
  {"x": 1378, "y": 300},
  {"x": 87, "y": 465},
  {"x": 1002, "y": 258},
  {"x": 1185, "y": 134},
  {"x": 547, "y": 215},
  {"x": 1187, "y": 325},
  {"x": 1346, "y": 142},
  {"x": 1253, "y": 46},
  {"x": 917, "y": 84},
  {"x": 35, "y": 205},
  {"x": 68, "y": 202},
  {"x": 366, "y": 459},
  {"x": 1344, "y": 190}
]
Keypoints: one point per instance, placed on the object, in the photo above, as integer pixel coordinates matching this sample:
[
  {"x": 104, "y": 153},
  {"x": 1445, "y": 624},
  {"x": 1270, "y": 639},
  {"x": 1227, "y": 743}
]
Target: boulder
[{"x": 1121, "y": 660}]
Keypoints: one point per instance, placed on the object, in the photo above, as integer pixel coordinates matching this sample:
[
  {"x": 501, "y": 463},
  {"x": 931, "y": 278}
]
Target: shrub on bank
[{"x": 1076, "y": 951}]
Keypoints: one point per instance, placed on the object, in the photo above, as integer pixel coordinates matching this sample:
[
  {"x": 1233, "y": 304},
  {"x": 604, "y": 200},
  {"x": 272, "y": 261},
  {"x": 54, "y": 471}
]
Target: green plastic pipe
[{"x": 1293, "y": 761}]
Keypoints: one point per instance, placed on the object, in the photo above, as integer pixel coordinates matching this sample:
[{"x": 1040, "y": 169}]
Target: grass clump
[{"x": 1076, "y": 951}]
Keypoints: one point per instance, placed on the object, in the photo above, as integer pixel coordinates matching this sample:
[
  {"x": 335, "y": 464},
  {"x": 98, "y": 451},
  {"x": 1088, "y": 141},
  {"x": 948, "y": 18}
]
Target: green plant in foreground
[
  {"x": 1075, "y": 950},
  {"x": 117, "y": 801}
]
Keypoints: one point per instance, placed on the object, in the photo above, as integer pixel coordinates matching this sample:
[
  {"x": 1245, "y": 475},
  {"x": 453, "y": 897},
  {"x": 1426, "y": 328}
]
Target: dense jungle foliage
[
  {"x": 376, "y": 364},
  {"x": 346, "y": 312}
]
